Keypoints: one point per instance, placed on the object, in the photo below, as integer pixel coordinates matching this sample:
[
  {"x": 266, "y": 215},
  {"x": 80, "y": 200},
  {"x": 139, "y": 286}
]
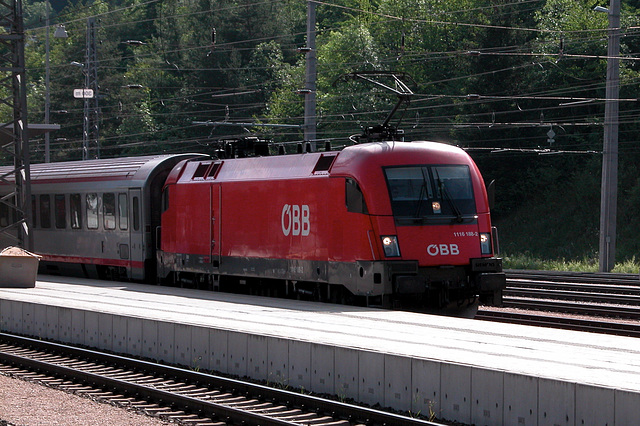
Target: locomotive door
[
  {"x": 136, "y": 234},
  {"x": 216, "y": 204}
]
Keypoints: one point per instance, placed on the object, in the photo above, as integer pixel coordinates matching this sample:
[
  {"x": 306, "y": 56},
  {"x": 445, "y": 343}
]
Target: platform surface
[{"x": 578, "y": 357}]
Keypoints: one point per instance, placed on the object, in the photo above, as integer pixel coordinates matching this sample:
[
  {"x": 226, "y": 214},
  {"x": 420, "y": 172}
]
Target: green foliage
[
  {"x": 526, "y": 261},
  {"x": 534, "y": 63}
]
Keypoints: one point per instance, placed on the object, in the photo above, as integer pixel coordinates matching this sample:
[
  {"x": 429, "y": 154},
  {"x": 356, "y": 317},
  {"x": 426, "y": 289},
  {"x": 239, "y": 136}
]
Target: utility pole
[
  {"x": 609, "y": 188},
  {"x": 310, "y": 78},
  {"x": 59, "y": 33},
  {"x": 90, "y": 126},
  {"x": 47, "y": 97}
]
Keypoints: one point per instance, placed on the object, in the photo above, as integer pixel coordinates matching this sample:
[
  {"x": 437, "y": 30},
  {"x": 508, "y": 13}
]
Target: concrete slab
[
  {"x": 40, "y": 321},
  {"x": 299, "y": 365},
  {"x": 346, "y": 373},
  {"x": 200, "y": 348},
  {"x": 257, "y": 357},
  {"x": 487, "y": 392},
  {"x": 371, "y": 377},
  {"x": 52, "y": 323},
  {"x": 556, "y": 402},
  {"x": 134, "y": 336},
  {"x": 626, "y": 407},
  {"x": 398, "y": 388},
  {"x": 77, "y": 327},
  {"x": 183, "y": 345},
  {"x": 65, "y": 323},
  {"x": 323, "y": 369},
  {"x": 594, "y": 405},
  {"x": 27, "y": 323},
  {"x": 520, "y": 400},
  {"x": 455, "y": 388},
  {"x": 6, "y": 306},
  {"x": 166, "y": 342},
  {"x": 92, "y": 329},
  {"x": 149, "y": 339},
  {"x": 277, "y": 355},
  {"x": 425, "y": 388},
  {"x": 219, "y": 350},
  {"x": 119, "y": 332},
  {"x": 237, "y": 351},
  {"x": 467, "y": 371}
]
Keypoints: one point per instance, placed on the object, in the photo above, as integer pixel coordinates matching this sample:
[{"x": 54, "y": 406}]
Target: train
[{"x": 380, "y": 223}]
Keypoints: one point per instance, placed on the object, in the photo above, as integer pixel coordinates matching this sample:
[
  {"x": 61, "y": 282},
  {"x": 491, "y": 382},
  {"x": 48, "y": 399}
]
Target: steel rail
[
  {"x": 578, "y": 295},
  {"x": 577, "y": 308},
  {"x": 580, "y": 277},
  {"x": 337, "y": 410},
  {"x": 621, "y": 329},
  {"x": 524, "y": 283}
]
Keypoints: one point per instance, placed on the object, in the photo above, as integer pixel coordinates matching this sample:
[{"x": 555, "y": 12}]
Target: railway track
[
  {"x": 606, "y": 303},
  {"x": 185, "y": 397}
]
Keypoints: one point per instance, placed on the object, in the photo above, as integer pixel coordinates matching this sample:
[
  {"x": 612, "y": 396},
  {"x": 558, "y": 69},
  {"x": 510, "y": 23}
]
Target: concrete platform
[{"x": 464, "y": 370}]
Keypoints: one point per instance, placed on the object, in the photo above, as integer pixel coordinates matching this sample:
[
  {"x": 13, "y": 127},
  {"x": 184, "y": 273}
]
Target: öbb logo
[
  {"x": 443, "y": 249},
  {"x": 295, "y": 220}
]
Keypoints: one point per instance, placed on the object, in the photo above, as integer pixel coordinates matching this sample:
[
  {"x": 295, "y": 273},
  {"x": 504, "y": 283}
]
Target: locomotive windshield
[{"x": 431, "y": 192}]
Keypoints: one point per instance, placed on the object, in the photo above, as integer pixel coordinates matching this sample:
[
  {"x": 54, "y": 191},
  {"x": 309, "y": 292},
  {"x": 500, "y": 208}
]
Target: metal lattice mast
[
  {"x": 90, "y": 127},
  {"x": 310, "y": 78},
  {"x": 12, "y": 80}
]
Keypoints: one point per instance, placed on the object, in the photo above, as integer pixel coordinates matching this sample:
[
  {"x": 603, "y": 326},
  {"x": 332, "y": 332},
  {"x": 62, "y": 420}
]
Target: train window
[
  {"x": 92, "y": 211},
  {"x": 354, "y": 198},
  {"x": 420, "y": 191},
  {"x": 109, "y": 210},
  {"x": 75, "y": 208},
  {"x": 123, "y": 211},
  {"x": 33, "y": 211},
  {"x": 61, "y": 211},
  {"x": 45, "y": 211},
  {"x": 136, "y": 214}
]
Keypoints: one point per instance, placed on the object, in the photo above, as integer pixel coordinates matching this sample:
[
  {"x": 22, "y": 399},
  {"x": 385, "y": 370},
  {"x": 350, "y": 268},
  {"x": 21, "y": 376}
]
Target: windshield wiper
[
  {"x": 422, "y": 195},
  {"x": 447, "y": 196}
]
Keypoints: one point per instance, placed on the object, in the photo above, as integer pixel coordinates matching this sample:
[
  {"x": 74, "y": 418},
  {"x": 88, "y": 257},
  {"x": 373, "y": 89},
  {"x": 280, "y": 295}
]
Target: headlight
[
  {"x": 390, "y": 246},
  {"x": 485, "y": 243}
]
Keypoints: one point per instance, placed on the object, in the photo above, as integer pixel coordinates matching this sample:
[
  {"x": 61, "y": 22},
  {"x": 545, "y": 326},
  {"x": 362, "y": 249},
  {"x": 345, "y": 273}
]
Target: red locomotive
[{"x": 383, "y": 221}]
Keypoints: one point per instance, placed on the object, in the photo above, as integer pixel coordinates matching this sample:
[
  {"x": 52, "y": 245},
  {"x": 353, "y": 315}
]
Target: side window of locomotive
[
  {"x": 92, "y": 211},
  {"x": 75, "y": 208},
  {"x": 123, "y": 211},
  {"x": 45, "y": 210},
  {"x": 354, "y": 197},
  {"x": 136, "y": 214},
  {"x": 61, "y": 211},
  {"x": 109, "y": 210}
]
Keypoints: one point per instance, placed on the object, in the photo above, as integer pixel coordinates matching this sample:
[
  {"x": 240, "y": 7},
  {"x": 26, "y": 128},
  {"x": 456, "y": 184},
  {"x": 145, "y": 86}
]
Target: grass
[{"x": 525, "y": 261}]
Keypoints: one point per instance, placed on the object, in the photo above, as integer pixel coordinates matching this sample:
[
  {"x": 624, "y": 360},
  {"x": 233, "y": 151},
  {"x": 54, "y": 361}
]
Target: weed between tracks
[{"x": 526, "y": 261}]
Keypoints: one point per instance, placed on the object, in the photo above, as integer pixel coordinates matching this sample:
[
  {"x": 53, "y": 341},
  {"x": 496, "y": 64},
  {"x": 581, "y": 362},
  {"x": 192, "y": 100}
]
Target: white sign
[
  {"x": 443, "y": 249},
  {"x": 83, "y": 93},
  {"x": 295, "y": 220}
]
